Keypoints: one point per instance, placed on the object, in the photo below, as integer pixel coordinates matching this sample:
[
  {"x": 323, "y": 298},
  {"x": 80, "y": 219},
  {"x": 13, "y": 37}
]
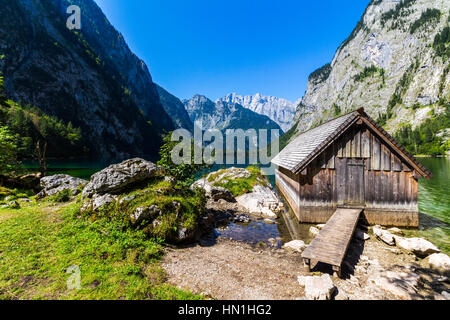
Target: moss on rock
[{"x": 163, "y": 211}]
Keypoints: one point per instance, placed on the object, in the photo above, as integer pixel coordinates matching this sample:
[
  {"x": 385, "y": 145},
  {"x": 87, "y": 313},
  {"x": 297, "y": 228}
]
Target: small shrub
[
  {"x": 427, "y": 16},
  {"x": 242, "y": 185},
  {"x": 61, "y": 197},
  {"x": 441, "y": 43}
]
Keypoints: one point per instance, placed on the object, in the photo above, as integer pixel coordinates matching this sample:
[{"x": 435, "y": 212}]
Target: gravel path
[{"x": 233, "y": 270}]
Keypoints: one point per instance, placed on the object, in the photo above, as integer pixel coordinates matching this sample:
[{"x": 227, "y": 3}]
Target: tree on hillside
[
  {"x": 184, "y": 172},
  {"x": 8, "y": 152},
  {"x": 2, "y": 90}
]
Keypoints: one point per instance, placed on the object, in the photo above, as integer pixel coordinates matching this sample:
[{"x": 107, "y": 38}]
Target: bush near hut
[{"x": 240, "y": 185}]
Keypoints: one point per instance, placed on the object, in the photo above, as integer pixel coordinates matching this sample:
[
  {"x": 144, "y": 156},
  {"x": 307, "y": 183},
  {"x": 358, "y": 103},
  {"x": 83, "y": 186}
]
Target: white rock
[
  {"x": 384, "y": 236},
  {"x": 418, "y": 246},
  {"x": 270, "y": 221},
  {"x": 52, "y": 185},
  {"x": 302, "y": 280},
  {"x": 314, "y": 231},
  {"x": 101, "y": 201},
  {"x": 319, "y": 288},
  {"x": 296, "y": 245},
  {"x": 400, "y": 284},
  {"x": 395, "y": 231},
  {"x": 361, "y": 235},
  {"x": 443, "y": 296},
  {"x": 320, "y": 226},
  {"x": 440, "y": 262}
]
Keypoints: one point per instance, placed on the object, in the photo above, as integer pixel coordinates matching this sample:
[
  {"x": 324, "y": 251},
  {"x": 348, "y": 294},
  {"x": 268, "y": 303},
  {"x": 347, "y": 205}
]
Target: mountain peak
[{"x": 279, "y": 110}]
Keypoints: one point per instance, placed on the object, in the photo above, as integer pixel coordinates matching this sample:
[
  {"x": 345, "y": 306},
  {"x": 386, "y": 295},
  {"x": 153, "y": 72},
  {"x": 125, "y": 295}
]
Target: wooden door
[{"x": 351, "y": 190}]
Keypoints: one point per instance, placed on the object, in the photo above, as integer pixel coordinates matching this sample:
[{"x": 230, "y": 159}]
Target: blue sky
[{"x": 245, "y": 46}]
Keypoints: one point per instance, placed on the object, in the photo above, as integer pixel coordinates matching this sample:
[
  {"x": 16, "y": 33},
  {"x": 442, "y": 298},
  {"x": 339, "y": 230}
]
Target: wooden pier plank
[{"x": 331, "y": 244}]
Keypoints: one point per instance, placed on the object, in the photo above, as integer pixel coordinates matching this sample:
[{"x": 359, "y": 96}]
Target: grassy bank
[{"x": 40, "y": 241}]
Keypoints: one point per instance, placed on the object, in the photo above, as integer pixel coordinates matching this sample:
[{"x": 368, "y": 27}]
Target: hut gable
[{"x": 316, "y": 145}]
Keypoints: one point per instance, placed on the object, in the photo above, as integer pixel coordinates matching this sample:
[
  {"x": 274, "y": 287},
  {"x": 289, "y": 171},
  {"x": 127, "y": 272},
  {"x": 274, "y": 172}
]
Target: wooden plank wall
[
  {"x": 289, "y": 186},
  {"x": 389, "y": 182}
]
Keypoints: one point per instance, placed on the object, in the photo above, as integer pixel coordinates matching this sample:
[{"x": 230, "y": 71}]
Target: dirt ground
[{"x": 227, "y": 269}]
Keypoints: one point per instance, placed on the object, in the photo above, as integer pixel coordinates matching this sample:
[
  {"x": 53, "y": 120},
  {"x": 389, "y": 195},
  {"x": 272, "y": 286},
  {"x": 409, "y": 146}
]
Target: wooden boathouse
[
  {"x": 350, "y": 162},
  {"x": 346, "y": 170}
]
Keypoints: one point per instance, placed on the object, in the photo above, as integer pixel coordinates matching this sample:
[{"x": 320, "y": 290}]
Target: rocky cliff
[
  {"x": 395, "y": 64},
  {"x": 175, "y": 109},
  {"x": 279, "y": 110},
  {"x": 89, "y": 76}
]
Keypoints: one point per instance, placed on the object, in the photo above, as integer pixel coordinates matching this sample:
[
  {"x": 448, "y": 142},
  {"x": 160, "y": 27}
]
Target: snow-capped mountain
[{"x": 279, "y": 110}]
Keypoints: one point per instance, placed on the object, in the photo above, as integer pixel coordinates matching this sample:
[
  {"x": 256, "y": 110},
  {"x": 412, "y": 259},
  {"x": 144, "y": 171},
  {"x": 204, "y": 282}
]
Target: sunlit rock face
[{"x": 395, "y": 48}]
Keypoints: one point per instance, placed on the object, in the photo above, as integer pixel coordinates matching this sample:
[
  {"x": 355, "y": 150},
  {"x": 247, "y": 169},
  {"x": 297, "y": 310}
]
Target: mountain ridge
[
  {"x": 88, "y": 77},
  {"x": 395, "y": 64},
  {"x": 280, "y": 110},
  {"x": 223, "y": 115}
]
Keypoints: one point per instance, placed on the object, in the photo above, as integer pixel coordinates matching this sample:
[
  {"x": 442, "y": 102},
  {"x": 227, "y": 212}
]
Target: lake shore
[{"x": 229, "y": 270}]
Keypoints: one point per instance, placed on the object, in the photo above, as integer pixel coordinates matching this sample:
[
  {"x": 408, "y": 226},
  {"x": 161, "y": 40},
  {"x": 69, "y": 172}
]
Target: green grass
[
  {"x": 13, "y": 194},
  {"x": 41, "y": 241},
  {"x": 240, "y": 186}
]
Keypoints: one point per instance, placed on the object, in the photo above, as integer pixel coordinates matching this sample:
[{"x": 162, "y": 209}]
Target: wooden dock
[{"x": 331, "y": 244}]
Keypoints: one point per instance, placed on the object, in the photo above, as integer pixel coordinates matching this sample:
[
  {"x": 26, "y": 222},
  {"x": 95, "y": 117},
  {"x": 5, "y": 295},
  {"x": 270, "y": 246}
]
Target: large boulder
[
  {"x": 318, "y": 288},
  {"x": 259, "y": 201},
  {"x": 439, "y": 262},
  {"x": 213, "y": 192},
  {"x": 418, "y": 246},
  {"x": 52, "y": 185},
  {"x": 262, "y": 201},
  {"x": 384, "y": 235},
  {"x": 118, "y": 177}
]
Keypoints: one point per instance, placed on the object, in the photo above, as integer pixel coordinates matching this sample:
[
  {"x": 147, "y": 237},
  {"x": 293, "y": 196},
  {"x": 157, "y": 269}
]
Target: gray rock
[
  {"x": 171, "y": 180},
  {"x": 11, "y": 205},
  {"x": 101, "y": 201},
  {"x": 143, "y": 213},
  {"x": 295, "y": 245},
  {"x": 219, "y": 193},
  {"x": 127, "y": 199},
  {"x": 117, "y": 177},
  {"x": 52, "y": 185}
]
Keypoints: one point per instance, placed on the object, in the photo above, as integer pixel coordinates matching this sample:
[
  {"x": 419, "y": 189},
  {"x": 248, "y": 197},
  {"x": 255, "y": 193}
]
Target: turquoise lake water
[{"x": 434, "y": 205}]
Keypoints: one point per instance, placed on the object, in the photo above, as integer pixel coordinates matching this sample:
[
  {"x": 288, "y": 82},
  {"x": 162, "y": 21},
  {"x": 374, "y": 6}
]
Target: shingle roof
[{"x": 303, "y": 149}]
